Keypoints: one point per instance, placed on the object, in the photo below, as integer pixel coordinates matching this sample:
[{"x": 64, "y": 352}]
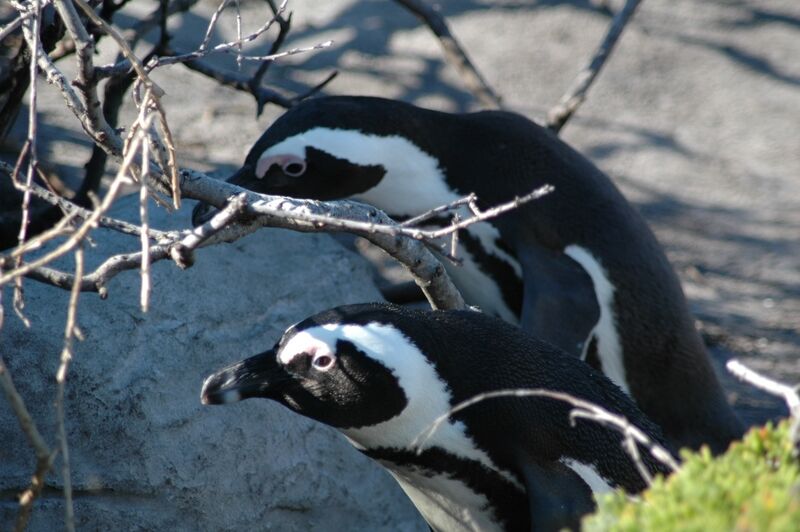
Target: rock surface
[{"x": 145, "y": 454}]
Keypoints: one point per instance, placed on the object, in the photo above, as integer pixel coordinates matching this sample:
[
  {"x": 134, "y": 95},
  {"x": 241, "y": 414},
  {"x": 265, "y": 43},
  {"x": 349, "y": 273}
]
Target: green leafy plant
[{"x": 755, "y": 486}]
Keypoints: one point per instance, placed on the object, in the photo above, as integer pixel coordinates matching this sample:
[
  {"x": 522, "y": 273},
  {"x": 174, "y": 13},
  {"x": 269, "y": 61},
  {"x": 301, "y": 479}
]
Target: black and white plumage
[
  {"x": 382, "y": 374},
  {"x": 579, "y": 268}
]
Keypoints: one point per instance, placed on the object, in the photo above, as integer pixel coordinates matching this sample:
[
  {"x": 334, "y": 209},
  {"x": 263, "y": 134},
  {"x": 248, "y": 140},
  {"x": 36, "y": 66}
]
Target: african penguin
[
  {"x": 578, "y": 268},
  {"x": 381, "y": 374}
]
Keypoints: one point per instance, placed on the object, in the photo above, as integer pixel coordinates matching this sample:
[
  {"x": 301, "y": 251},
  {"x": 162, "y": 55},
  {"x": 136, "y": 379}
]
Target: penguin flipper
[
  {"x": 559, "y": 301},
  {"x": 557, "y": 497}
]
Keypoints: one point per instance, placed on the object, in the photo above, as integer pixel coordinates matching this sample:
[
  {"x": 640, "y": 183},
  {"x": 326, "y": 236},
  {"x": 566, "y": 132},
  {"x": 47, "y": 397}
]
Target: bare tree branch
[
  {"x": 454, "y": 53},
  {"x": 404, "y": 242},
  {"x": 292, "y": 51},
  {"x": 82, "y": 39},
  {"x": 12, "y": 26},
  {"x": 212, "y": 24},
  {"x": 284, "y": 26},
  {"x": 784, "y": 391},
  {"x": 153, "y": 92},
  {"x": 632, "y": 435},
  {"x": 576, "y": 93},
  {"x": 95, "y": 123},
  {"x": 71, "y": 242},
  {"x": 69, "y": 207},
  {"x": 182, "y": 252},
  {"x": 262, "y": 95},
  {"x": 44, "y": 458},
  {"x": 61, "y": 379},
  {"x": 203, "y": 49},
  {"x": 252, "y": 84},
  {"x": 32, "y": 26}
]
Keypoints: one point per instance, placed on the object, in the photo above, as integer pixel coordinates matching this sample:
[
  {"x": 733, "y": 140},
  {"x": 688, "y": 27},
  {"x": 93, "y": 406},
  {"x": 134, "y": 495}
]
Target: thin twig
[
  {"x": 61, "y": 380},
  {"x": 406, "y": 244},
  {"x": 237, "y": 80},
  {"x": 239, "y": 35},
  {"x": 44, "y": 458},
  {"x": 12, "y": 26},
  {"x": 62, "y": 228},
  {"x": 172, "y": 162},
  {"x": 223, "y": 47},
  {"x": 144, "y": 295},
  {"x": 441, "y": 209},
  {"x": 31, "y": 143},
  {"x": 784, "y": 391},
  {"x": 72, "y": 241},
  {"x": 123, "y": 46},
  {"x": 454, "y": 53},
  {"x": 212, "y": 24},
  {"x": 284, "y": 26},
  {"x": 390, "y": 228},
  {"x": 480, "y": 216},
  {"x": 71, "y": 208},
  {"x": 262, "y": 95},
  {"x": 583, "y": 409},
  {"x": 576, "y": 94},
  {"x": 293, "y": 51},
  {"x": 86, "y": 108},
  {"x": 182, "y": 252},
  {"x": 454, "y": 237},
  {"x": 628, "y": 442},
  {"x": 152, "y": 89}
]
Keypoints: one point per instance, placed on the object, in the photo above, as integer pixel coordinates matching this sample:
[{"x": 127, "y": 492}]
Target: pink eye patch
[{"x": 292, "y": 165}]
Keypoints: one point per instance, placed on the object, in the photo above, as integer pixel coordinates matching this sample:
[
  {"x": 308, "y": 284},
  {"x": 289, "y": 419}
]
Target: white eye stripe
[
  {"x": 304, "y": 343},
  {"x": 291, "y": 164}
]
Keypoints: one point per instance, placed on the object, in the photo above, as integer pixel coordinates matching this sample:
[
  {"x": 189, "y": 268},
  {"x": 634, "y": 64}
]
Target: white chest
[
  {"x": 477, "y": 287},
  {"x": 445, "y": 503}
]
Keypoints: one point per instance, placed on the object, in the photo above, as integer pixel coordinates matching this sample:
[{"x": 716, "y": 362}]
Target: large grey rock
[{"x": 146, "y": 455}]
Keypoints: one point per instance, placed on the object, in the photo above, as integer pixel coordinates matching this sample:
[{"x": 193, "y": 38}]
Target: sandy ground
[{"x": 695, "y": 118}]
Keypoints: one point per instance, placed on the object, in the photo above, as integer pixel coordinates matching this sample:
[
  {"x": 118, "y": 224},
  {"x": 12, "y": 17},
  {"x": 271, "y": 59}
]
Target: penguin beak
[
  {"x": 203, "y": 212},
  {"x": 258, "y": 376}
]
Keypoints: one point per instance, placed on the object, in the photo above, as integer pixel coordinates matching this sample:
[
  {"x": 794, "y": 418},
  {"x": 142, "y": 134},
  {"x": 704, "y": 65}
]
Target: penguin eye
[
  {"x": 322, "y": 362},
  {"x": 294, "y": 168}
]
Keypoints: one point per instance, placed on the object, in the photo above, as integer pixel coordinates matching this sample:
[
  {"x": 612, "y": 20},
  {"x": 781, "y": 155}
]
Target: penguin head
[
  {"x": 312, "y": 151},
  {"x": 333, "y": 148},
  {"x": 338, "y": 367}
]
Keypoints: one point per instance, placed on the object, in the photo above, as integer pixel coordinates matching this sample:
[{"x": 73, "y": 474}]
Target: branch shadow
[{"x": 366, "y": 30}]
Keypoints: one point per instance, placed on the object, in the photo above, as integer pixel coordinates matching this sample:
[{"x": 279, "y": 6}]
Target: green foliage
[{"x": 754, "y": 486}]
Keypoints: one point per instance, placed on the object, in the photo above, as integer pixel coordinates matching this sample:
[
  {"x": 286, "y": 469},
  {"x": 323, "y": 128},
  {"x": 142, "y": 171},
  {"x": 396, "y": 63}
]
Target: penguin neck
[
  {"x": 415, "y": 181},
  {"x": 428, "y": 397}
]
